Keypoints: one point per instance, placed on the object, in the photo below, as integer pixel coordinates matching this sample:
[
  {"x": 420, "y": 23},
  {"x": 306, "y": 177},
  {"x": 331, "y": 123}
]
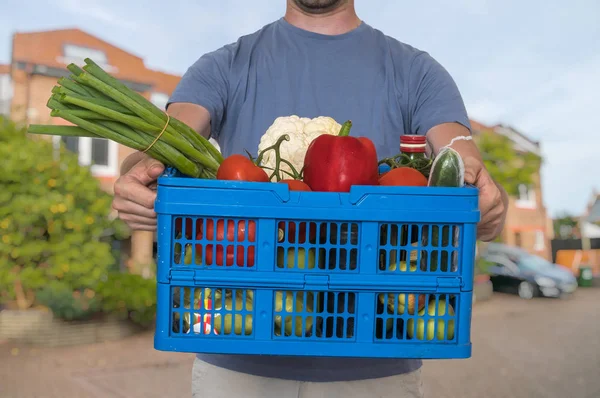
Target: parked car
[{"x": 514, "y": 270}]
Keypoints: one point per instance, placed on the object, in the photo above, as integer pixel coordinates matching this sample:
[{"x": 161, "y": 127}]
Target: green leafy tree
[
  {"x": 55, "y": 230},
  {"x": 565, "y": 227},
  {"x": 506, "y": 165}
]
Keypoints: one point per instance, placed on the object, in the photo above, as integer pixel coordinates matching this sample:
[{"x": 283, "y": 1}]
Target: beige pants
[{"x": 209, "y": 381}]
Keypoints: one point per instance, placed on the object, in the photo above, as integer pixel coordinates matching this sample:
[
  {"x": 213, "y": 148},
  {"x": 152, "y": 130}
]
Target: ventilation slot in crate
[
  {"x": 314, "y": 246},
  {"x": 314, "y": 315},
  {"x": 419, "y": 248},
  {"x": 416, "y": 317},
  {"x": 214, "y": 242},
  {"x": 212, "y": 311}
]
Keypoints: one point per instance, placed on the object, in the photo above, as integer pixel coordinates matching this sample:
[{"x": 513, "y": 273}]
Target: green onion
[
  {"x": 138, "y": 123},
  {"x": 61, "y": 91},
  {"x": 100, "y": 106},
  {"x": 71, "y": 85},
  {"x": 101, "y": 131},
  {"x": 65, "y": 131},
  {"x": 95, "y": 70}
]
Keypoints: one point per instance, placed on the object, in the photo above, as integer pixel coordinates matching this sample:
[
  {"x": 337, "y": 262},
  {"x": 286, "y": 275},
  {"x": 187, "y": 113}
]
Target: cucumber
[{"x": 447, "y": 170}]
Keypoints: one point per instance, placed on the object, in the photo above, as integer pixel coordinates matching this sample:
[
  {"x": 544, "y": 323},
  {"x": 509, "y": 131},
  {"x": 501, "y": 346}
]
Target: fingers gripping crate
[{"x": 252, "y": 268}]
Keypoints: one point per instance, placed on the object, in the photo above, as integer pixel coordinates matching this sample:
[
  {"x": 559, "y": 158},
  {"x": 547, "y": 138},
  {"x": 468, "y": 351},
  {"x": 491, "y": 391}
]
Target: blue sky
[{"x": 533, "y": 64}]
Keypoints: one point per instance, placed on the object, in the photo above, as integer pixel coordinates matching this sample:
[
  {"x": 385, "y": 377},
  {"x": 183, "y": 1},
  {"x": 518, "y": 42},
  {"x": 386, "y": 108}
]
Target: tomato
[
  {"x": 289, "y": 233},
  {"x": 405, "y": 176},
  {"x": 296, "y": 185},
  {"x": 221, "y": 253},
  {"x": 240, "y": 168}
]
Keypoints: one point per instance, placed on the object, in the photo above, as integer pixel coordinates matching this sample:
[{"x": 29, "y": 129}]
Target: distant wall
[{"x": 570, "y": 253}]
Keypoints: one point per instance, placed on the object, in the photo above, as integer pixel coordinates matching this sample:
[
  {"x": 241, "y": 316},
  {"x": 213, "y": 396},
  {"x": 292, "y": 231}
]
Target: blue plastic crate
[{"x": 231, "y": 253}]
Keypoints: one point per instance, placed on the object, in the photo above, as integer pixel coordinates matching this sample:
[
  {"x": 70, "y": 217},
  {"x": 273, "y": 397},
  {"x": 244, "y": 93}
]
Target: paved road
[{"x": 542, "y": 348}]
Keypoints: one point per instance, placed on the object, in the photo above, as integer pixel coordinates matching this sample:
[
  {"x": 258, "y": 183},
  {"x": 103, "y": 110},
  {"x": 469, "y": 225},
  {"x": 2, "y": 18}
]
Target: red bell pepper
[{"x": 335, "y": 163}]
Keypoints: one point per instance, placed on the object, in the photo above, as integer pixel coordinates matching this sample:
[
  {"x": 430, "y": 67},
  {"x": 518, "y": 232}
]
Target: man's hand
[
  {"x": 493, "y": 200},
  {"x": 134, "y": 197},
  {"x": 134, "y": 194}
]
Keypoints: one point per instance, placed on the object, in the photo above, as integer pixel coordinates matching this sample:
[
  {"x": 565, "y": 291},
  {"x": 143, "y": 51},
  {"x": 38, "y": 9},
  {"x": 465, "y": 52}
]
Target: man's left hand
[{"x": 492, "y": 199}]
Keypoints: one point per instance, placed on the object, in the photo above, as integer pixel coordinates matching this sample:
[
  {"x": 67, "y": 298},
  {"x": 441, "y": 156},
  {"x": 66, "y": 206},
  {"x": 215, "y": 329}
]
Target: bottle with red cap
[
  {"x": 413, "y": 154},
  {"x": 413, "y": 146}
]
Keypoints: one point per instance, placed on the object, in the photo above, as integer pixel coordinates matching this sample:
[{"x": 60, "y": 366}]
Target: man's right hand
[{"x": 134, "y": 194}]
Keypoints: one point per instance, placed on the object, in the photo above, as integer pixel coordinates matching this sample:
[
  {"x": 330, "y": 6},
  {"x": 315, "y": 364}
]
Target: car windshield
[{"x": 534, "y": 263}]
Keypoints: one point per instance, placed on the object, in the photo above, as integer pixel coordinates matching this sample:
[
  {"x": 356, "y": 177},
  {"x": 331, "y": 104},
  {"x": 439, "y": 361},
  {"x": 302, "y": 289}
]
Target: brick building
[
  {"x": 38, "y": 59},
  {"x": 527, "y": 223}
]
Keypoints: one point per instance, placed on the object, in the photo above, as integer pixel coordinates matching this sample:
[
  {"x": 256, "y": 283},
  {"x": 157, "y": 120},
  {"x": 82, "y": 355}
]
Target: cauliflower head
[{"x": 302, "y": 131}]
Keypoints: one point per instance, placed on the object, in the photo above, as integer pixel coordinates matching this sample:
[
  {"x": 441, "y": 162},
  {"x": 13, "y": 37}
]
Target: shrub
[
  {"x": 55, "y": 230},
  {"x": 129, "y": 296},
  {"x": 67, "y": 304}
]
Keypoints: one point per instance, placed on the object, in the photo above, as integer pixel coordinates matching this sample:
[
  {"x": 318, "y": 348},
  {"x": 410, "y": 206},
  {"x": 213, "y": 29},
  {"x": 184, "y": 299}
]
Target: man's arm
[
  {"x": 195, "y": 116},
  {"x": 438, "y": 111},
  {"x": 199, "y": 100},
  {"x": 493, "y": 200}
]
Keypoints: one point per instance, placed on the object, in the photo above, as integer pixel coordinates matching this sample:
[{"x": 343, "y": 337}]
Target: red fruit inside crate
[
  {"x": 188, "y": 228},
  {"x": 204, "y": 324},
  {"x": 221, "y": 252},
  {"x": 289, "y": 233}
]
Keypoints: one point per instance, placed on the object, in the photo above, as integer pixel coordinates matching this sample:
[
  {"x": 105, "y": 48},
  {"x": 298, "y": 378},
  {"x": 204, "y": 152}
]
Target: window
[
  {"x": 518, "y": 242},
  {"x": 81, "y": 53},
  {"x": 502, "y": 265},
  {"x": 540, "y": 241},
  {"x": 71, "y": 143},
  {"x": 99, "y": 153},
  {"x": 5, "y": 94},
  {"x": 159, "y": 99},
  {"x": 526, "y": 199},
  {"x": 77, "y": 54}
]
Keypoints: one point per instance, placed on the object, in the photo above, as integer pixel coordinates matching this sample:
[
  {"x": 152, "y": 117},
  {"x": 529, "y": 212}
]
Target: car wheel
[
  {"x": 565, "y": 296},
  {"x": 526, "y": 290}
]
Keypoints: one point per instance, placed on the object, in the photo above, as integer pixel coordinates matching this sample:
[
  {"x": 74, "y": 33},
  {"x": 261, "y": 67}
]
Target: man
[{"x": 319, "y": 60}]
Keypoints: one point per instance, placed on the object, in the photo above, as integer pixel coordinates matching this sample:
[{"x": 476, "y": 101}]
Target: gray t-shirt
[{"x": 387, "y": 88}]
